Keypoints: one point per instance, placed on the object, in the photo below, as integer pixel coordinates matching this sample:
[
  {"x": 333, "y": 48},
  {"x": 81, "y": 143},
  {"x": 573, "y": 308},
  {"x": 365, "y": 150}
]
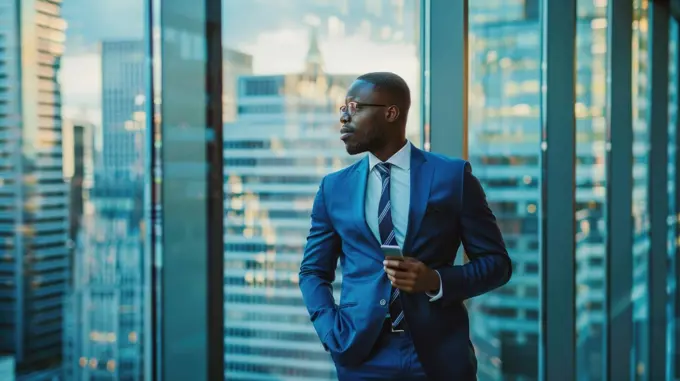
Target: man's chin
[{"x": 354, "y": 149}]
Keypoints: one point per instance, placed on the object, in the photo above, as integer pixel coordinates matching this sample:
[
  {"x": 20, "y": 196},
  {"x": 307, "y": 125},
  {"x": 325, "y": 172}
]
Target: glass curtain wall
[{"x": 287, "y": 66}]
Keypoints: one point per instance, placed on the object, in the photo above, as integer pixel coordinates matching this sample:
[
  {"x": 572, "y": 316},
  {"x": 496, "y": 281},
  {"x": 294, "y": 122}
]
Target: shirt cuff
[{"x": 441, "y": 290}]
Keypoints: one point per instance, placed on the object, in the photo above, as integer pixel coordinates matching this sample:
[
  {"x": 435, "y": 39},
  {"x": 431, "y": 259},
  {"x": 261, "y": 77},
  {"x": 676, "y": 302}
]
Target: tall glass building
[
  {"x": 34, "y": 199},
  {"x": 107, "y": 301}
]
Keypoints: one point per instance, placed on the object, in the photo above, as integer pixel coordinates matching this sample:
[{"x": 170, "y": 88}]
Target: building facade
[
  {"x": 107, "y": 306},
  {"x": 34, "y": 212}
]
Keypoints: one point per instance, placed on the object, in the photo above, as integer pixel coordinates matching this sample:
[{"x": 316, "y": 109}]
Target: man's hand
[{"x": 411, "y": 275}]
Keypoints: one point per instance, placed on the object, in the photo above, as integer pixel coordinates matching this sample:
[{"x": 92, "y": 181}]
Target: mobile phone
[{"x": 393, "y": 252}]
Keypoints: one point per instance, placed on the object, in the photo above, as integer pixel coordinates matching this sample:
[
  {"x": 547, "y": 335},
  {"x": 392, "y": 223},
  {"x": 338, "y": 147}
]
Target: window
[
  {"x": 303, "y": 55},
  {"x": 76, "y": 233},
  {"x": 503, "y": 123},
  {"x": 591, "y": 185},
  {"x": 641, "y": 145}
]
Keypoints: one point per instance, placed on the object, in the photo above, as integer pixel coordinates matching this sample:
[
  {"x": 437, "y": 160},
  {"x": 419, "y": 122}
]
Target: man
[{"x": 398, "y": 319}]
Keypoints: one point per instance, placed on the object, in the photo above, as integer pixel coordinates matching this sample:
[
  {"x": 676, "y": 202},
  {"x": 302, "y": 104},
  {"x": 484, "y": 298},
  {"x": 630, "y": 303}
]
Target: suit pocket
[{"x": 347, "y": 305}]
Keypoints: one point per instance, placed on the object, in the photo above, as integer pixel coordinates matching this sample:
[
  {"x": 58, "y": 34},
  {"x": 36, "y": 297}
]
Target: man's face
[{"x": 363, "y": 119}]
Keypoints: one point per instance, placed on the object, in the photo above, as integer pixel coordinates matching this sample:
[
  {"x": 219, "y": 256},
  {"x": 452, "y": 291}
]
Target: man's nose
[{"x": 344, "y": 118}]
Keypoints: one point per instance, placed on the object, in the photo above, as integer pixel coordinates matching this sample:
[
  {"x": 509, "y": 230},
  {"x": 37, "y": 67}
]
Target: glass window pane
[
  {"x": 673, "y": 359},
  {"x": 73, "y": 264},
  {"x": 641, "y": 136},
  {"x": 287, "y": 67},
  {"x": 591, "y": 186},
  {"x": 504, "y": 149},
  {"x": 641, "y": 144}
]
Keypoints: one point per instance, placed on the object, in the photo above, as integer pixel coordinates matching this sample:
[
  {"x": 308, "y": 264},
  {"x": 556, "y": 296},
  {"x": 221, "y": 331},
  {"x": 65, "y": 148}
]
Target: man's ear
[{"x": 392, "y": 113}]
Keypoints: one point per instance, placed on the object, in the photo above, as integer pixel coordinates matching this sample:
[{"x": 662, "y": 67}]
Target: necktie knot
[{"x": 384, "y": 169}]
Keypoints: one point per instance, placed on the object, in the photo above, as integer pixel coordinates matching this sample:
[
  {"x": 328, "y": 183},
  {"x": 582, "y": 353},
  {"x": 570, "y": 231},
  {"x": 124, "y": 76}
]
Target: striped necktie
[{"x": 387, "y": 237}]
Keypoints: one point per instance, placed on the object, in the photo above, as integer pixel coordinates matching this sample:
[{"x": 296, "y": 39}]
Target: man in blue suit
[{"x": 402, "y": 318}]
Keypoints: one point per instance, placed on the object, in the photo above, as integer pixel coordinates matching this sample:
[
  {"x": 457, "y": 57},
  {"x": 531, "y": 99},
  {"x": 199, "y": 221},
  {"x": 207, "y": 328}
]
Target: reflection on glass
[
  {"x": 641, "y": 143},
  {"x": 504, "y": 149},
  {"x": 287, "y": 66},
  {"x": 672, "y": 287},
  {"x": 591, "y": 186}
]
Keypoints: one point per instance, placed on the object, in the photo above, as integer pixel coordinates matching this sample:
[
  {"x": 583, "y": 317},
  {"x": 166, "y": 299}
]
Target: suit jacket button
[{"x": 382, "y": 302}]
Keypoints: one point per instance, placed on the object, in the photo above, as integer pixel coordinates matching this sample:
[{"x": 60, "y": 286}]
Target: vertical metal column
[
  {"x": 215, "y": 189},
  {"x": 675, "y": 313},
  {"x": 448, "y": 77},
  {"x": 619, "y": 254},
  {"x": 657, "y": 120},
  {"x": 557, "y": 356},
  {"x": 191, "y": 192}
]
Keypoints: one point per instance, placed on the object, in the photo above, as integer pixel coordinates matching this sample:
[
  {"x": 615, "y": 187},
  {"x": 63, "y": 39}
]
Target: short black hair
[{"x": 392, "y": 84}]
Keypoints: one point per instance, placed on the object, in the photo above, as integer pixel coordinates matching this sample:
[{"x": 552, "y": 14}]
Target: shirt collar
[{"x": 401, "y": 159}]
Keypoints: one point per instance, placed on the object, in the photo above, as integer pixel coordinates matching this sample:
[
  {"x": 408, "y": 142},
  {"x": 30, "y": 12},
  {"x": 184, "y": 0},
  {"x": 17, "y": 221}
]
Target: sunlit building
[
  {"x": 283, "y": 142},
  {"x": 34, "y": 212}
]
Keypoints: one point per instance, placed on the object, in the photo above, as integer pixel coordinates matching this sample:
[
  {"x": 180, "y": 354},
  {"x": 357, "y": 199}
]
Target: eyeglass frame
[{"x": 345, "y": 110}]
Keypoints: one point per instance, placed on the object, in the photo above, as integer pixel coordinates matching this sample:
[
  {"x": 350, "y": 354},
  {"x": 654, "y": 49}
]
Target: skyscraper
[
  {"x": 123, "y": 99},
  {"x": 106, "y": 309},
  {"x": 282, "y": 143},
  {"x": 34, "y": 262}
]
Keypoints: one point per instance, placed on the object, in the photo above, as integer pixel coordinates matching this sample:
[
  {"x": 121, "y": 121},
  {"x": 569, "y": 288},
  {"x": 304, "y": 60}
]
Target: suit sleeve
[
  {"x": 317, "y": 270},
  {"x": 489, "y": 266}
]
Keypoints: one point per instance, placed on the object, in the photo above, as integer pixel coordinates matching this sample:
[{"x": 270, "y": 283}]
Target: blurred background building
[{"x": 34, "y": 200}]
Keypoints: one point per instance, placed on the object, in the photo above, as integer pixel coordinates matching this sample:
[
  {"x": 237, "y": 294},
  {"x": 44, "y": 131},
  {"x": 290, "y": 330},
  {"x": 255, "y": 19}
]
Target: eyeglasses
[{"x": 351, "y": 107}]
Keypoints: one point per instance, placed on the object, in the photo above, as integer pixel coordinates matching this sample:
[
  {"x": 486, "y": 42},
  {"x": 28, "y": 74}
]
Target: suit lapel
[
  {"x": 421, "y": 180},
  {"x": 358, "y": 190}
]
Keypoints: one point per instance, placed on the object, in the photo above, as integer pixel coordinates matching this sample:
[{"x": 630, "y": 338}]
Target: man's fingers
[
  {"x": 398, "y": 265},
  {"x": 392, "y": 263},
  {"x": 402, "y": 284},
  {"x": 400, "y": 274}
]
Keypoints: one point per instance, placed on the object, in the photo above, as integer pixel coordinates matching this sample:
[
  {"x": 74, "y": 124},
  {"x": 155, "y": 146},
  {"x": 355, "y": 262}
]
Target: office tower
[
  {"x": 34, "y": 201},
  {"x": 123, "y": 99},
  {"x": 107, "y": 310},
  {"x": 283, "y": 142}
]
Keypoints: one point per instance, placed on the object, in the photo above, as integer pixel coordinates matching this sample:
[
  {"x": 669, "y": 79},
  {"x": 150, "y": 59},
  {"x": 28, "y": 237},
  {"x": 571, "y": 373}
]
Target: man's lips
[{"x": 345, "y": 133}]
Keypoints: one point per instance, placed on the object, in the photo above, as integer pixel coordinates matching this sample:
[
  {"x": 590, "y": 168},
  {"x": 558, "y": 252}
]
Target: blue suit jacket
[{"x": 448, "y": 206}]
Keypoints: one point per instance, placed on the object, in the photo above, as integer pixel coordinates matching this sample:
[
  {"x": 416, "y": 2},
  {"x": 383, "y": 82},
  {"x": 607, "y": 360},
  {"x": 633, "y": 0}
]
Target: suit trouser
[{"x": 393, "y": 358}]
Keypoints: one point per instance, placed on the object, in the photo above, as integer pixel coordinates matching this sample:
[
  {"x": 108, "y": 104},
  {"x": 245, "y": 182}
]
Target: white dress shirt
[{"x": 400, "y": 197}]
